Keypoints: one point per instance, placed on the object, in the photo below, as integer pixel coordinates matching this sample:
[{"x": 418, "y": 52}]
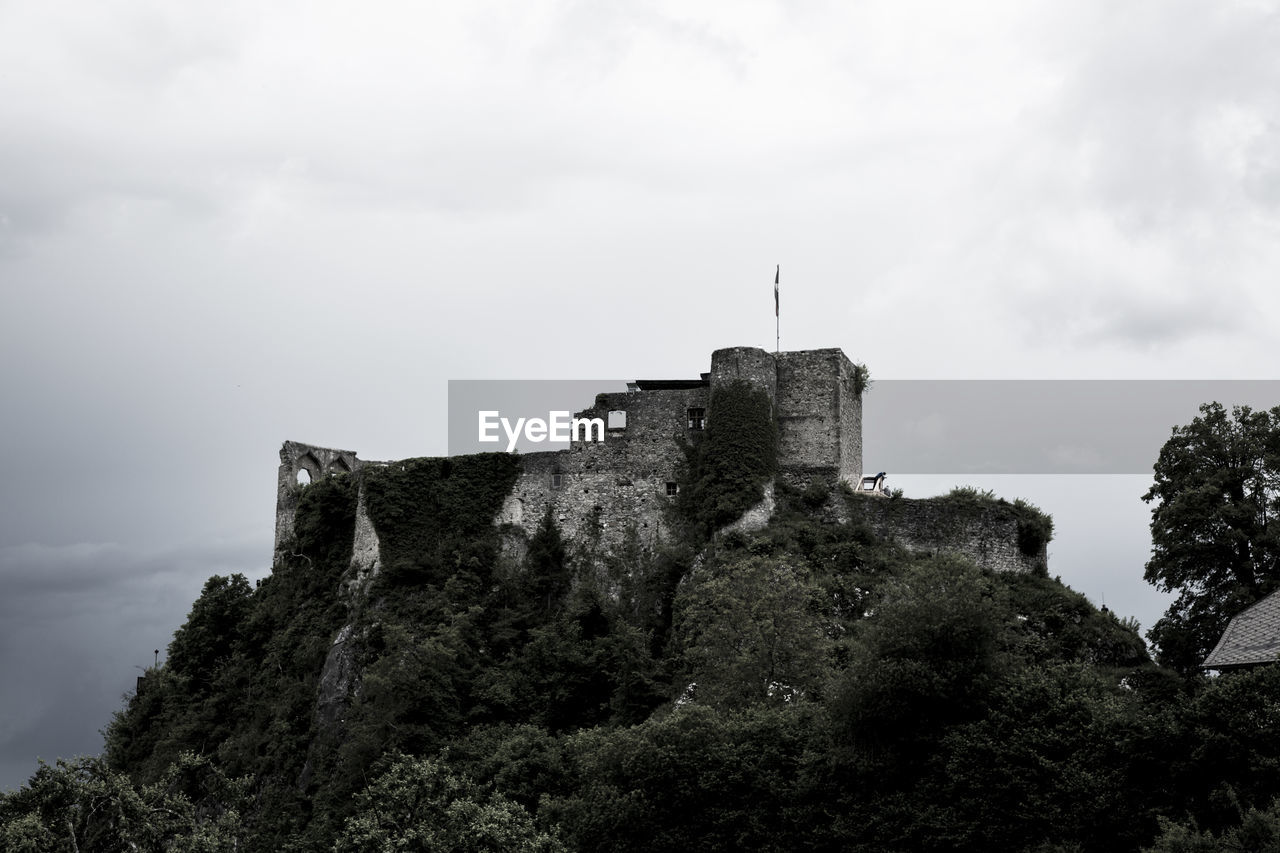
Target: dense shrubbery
[
  {"x": 804, "y": 687},
  {"x": 728, "y": 468},
  {"x": 425, "y": 510}
]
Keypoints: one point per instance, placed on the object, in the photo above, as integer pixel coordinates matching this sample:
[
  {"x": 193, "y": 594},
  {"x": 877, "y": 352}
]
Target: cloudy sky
[{"x": 226, "y": 225}]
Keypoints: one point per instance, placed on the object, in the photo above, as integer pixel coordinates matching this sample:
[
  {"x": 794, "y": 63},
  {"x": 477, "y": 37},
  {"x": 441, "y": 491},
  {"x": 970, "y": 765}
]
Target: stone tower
[{"x": 817, "y": 399}]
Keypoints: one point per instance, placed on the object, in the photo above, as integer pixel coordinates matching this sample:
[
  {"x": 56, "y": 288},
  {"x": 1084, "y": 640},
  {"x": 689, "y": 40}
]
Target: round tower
[{"x": 750, "y": 364}]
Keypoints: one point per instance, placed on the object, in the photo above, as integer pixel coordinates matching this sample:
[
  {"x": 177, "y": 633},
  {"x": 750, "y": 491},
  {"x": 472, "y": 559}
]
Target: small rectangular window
[
  {"x": 556, "y": 481},
  {"x": 697, "y": 418},
  {"x": 672, "y": 488}
]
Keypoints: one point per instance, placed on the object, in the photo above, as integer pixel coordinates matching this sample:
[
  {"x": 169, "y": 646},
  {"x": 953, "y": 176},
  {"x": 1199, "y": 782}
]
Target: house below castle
[{"x": 1252, "y": 637}]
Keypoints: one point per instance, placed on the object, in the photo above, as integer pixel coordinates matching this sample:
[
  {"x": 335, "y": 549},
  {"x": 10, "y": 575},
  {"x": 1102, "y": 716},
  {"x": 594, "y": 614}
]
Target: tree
[
  {"x": 82, "y": 805},
  {"x": 926, "y": 657},
  {"x": 212, "y": 630},
  {"x": 1214, "y": 536},
  {"x": 418, "y": 804},
  {"x": 547, "y": 567},
  {"x": 751, "y": 629},
  {"x": 699, "y": 778}
]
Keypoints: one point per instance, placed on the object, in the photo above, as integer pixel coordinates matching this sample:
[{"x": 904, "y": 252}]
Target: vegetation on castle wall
[
  {"x": 425, "y": 510},
  {"x": 738, "y": 454},
  {"x": 961, "y": 515},
  {"x": 1035, "y": 527},
  {"x": 861, "y": 379},
  {"x": 324, "y": 523}
]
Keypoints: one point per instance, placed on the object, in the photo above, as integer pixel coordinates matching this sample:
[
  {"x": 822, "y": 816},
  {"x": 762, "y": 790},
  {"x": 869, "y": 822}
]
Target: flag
[{"x": 776, "y": 274}]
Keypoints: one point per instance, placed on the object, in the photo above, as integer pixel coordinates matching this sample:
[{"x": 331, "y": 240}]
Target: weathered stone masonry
[
  {"x": 984, "y": 531},
  {"x": 597, "y": 491},
  {"x": 600, "y": 488},
  {"x": 301, "y": 464}
]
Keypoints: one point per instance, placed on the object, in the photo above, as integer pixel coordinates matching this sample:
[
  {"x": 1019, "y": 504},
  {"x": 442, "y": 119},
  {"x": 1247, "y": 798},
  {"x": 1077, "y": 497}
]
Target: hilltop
[{"x": 791, "y": 663}]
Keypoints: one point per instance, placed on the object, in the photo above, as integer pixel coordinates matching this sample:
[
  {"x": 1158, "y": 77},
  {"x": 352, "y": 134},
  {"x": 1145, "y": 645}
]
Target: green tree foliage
[
  {"x": 418, "y": 804},
  {"x": 1230, "y": 730},
  {"x": 1048, "y": 759},
  {"x": 1215, "y": 538},
  {"x": 851, "y": 696},
  {"x": 213, "y": 629},
  {"x": 580, "y": 669},
  {"x": 83, "y": 805},
  {"x": 1035, "y": 527},
  {"x": 752, "y": 628},
  {"x": 928, "y": 654},
  {"x": 324, "y": 522},
  {"x": 1057, "y": 624},
  {"x": 241, "y": 677},
  {"x": 547, "y": 572},
  {"x": 1258, "y": 831},
  {"x": 523, "y": 761},
  {"x": 414, "y": 692},
  {"x": 696, "y": 779}
]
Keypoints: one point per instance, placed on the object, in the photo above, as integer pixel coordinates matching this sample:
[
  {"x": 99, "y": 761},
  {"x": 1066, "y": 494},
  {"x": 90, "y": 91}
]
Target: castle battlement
[
  {"x": 626, "y": 481},
  {"x": 601, "y": 491}
]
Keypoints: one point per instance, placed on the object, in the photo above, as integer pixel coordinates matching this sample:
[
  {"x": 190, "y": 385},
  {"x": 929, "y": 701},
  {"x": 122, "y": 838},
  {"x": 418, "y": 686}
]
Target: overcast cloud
[{"x": 227, "y": 225}]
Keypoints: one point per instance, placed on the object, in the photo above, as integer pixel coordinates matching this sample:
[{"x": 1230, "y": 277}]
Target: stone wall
[
  {"x": 316, "y": 462},
  {"x": 819, "y": 415},
  {"x": 596, "y": 490},
  {"x": 748, "y": 364},
  {"x": 981, "y": 530}
]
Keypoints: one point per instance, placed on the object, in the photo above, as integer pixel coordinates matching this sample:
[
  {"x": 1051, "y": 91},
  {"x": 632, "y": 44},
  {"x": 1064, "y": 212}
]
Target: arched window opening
[{"x": 304, "y": 477}]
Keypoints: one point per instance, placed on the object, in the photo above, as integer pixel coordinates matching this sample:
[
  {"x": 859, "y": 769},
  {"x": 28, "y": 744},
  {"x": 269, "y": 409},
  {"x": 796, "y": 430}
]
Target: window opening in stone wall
[
  {"x": 697, "y": 418},
  {"x": 617, "y": 420},
  {"x": 556, "y": 480},
  {"x": 304, "y": 477},
  {"x": 672, "y": 488}
]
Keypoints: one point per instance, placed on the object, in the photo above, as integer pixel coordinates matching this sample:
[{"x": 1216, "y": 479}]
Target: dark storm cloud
[{"x": 77, "y": 625}]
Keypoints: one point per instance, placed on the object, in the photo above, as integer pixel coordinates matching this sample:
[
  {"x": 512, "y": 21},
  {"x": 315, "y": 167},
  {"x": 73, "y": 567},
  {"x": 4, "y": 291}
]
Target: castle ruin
[{"x": 626, "y": 482}]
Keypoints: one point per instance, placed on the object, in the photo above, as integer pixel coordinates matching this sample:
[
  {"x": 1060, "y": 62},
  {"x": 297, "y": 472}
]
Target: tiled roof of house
[{"x": 1252, "y": 636}]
